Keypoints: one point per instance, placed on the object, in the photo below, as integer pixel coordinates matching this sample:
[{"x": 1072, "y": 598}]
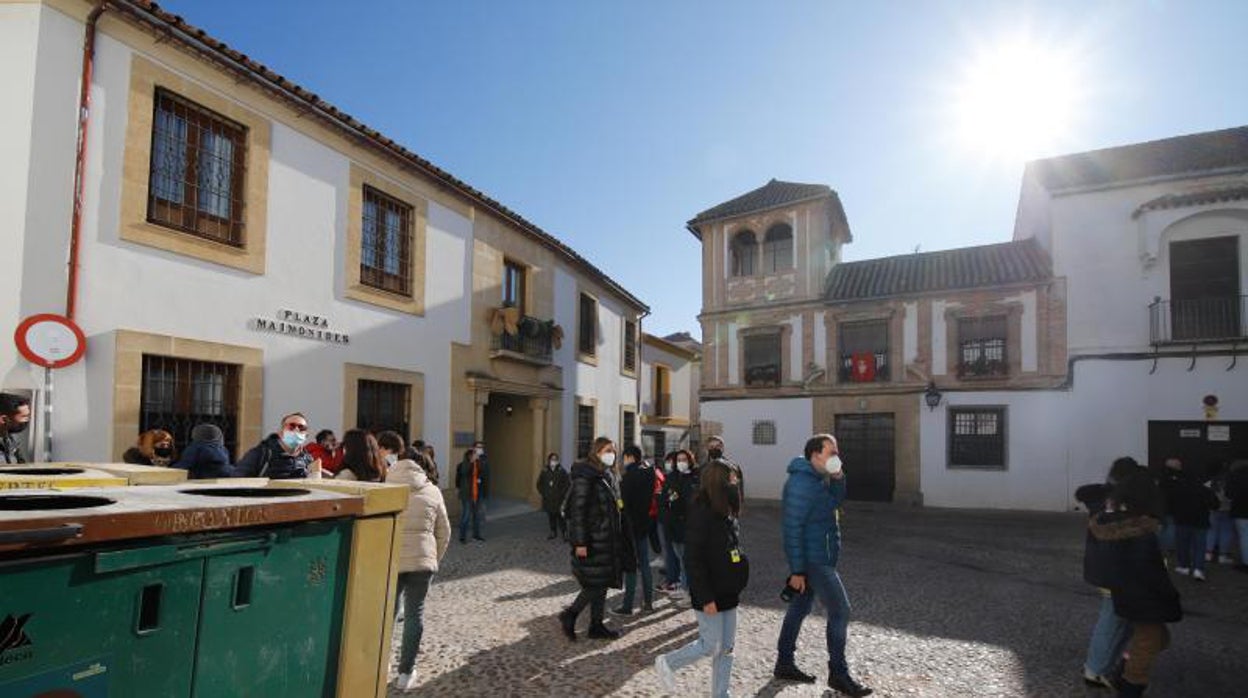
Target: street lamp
[{"x": 931, "y": 396}]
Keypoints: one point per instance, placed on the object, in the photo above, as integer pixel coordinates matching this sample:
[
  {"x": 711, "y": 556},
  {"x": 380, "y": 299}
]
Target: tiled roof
[
  {"x": 966, "y": 267},
  {"x": 167, "y": 25},
  {"x": 1193, "y": 198},
  {"x": 770, "y": 195},
  {"x": 1198, "y": 152}
]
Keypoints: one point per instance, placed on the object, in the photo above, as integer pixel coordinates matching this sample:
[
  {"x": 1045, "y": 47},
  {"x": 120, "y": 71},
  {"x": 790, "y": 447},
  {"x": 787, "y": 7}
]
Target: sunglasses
[{"x": 296, "y": 427}]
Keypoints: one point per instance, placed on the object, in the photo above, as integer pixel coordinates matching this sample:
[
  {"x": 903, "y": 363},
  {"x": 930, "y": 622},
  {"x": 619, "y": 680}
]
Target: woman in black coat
[
  {"x": 553, "y": 485},
  {"x": 599, "y": 539}
]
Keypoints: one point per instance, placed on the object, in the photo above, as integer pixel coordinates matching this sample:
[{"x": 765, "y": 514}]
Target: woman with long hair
[{"x": 361, "y": 458}]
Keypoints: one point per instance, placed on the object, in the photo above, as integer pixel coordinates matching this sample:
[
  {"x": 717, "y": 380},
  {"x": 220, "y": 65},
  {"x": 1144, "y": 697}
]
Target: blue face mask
[{"x": 293, "y": 439}]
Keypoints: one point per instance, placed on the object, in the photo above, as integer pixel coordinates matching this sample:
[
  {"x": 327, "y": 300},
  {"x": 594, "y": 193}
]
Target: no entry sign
[{"x": 51, "y": 341}]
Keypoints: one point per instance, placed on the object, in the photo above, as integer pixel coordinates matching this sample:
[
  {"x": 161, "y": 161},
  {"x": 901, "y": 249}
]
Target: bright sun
[{"x": 1016, "y": 101}]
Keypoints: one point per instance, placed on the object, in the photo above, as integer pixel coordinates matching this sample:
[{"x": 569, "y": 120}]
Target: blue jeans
[
  {"x": 1190, "y": 546},
  {"x": 671, "y": 559},
  {"x": 717, "y": 634},
  {"x": 469, "y": 509},
  {"x": 683, "y": 578},
  {"x": 413, "y": 586},
  {"x": 1221, "y": 533},
  {"x": 642, "y": 546},
  {"x": 1109, "y": 639},
  {"x": 1241, "y": 528},
  {"x": 1166, "y": 537},
  {"x": 824, "y": 582}
]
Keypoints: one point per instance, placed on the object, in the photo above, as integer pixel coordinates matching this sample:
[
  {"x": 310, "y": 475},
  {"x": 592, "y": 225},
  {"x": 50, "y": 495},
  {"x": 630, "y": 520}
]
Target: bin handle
[
  {"x": 54, "y": 534},
  {"x": 134, "y": 558}
]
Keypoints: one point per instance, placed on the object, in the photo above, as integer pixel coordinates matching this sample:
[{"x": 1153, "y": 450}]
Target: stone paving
[{"x": 945, "y": 603}]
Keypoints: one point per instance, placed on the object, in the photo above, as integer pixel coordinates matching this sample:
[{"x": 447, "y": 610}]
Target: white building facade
[{"x": 670, "y": 372}]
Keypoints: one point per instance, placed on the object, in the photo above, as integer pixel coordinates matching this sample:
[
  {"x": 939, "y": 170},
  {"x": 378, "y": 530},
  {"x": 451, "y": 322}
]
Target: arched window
[
  {"x": 744, "y": 250},
  {"x": 778, "y": 249}
]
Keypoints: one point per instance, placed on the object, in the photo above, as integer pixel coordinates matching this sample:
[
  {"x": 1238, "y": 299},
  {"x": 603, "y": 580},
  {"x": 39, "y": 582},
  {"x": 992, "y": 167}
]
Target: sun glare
[{"x": 1016, "y": 101}]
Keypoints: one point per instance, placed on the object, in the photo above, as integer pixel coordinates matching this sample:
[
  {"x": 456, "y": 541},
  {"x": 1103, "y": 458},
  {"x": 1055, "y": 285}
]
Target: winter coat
[
  {"x": 637, "y": 491},
  {"x": 812, "y": 536},
  {"x": 205, "y": 459},
  {"x": 1093, "y": 498},
  {"x": 11, "y": 450},
  {"x": 1135, "y": 572},
  {"x": 331, "y": 461},
  {"x": 1237, "y": 491},
  {"x": 135, "y": 456},
  {"x": 426, "y": 529},
  {"x": 463, "y": 479},
  {"x": 718, "y": 569},
  {"x": 675, "y": 500},
  {"x": 1188, "y": 502},
  {"x": 269, "y": 459},
  {"x": 595, "y": 522},
  {"x": 553, "y": 485}
]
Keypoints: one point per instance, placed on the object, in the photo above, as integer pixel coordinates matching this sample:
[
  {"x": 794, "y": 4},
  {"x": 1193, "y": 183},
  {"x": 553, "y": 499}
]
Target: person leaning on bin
[
  {"x": 14, "y": 418},
  {"x": 153, "y": 447},
  {"x": 279, "y": 456}
]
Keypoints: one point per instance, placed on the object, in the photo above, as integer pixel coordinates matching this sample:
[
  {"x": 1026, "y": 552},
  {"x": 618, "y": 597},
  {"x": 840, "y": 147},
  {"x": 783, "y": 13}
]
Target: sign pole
[{"x": 47, "y": 415}]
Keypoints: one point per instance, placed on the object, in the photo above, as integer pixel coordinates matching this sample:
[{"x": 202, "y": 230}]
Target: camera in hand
[{"x": 788, "y": 593}]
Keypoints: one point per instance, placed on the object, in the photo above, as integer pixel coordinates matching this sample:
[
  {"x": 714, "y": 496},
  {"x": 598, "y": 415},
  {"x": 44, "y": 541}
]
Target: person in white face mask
[
  {"x": 281, "y": 455},
  {"x": 812, "y": 495},
  {"x": 553, "y": 485},
  {"x": 391, "y": 447}
]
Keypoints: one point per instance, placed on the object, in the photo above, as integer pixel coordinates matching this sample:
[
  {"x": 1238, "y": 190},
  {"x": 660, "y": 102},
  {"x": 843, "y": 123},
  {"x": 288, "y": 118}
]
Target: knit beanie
[{"x": 208, "y": 432}]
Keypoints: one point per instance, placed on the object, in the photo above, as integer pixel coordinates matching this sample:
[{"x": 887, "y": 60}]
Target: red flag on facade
[{"x": 863, "y": 367}]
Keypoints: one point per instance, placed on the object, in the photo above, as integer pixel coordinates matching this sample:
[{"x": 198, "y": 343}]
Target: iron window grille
[
  {"x": 778, "y": 249},
  {"x": 382, "y": 406},
  {"x": 628, "y": 427},
  {"x": 744, "y": 251},
  {"x": 867, "y": 341},
  {"x": 630, "y": 346},
  {"x": 655, "y": 444},
  {"x": 764, "y": 433},
  {"x": 982, "y": 347},
  {"x": 977, "y": 437},
  {"x": 386, "y": 243},
  {"x": 762, "y": 359},
  {"x": 513, "y": 286},
  {"x": 178, "y": 394},
  {"x": 587, "y": 335},
  {"x": 197, "y": 168},
  {"x": 584, "y": 430}
]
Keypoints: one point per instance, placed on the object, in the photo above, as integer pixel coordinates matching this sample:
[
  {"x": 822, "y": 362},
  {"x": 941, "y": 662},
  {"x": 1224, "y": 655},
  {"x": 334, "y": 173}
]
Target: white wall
[
  {"x": 763, "y": 466},
  {"x": 681, "y": 374}
]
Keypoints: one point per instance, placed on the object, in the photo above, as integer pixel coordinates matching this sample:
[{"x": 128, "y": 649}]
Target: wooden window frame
[
  {"x": 372, "y": 275},
  {"x": 973, "y": 338},
  {"x": 1002, "y": 436},
  {"x": 520, "y": 272},
  {"x": 629, "y": 347},
  {"x": 770, "y": 246},
  {"x": 587, "y": 336},
  {"x": 585, "y": 439},
  {"x": 628, "y": 437},
  {"x": 740, "y": 241},
  {"x": 405, "y": 389}
]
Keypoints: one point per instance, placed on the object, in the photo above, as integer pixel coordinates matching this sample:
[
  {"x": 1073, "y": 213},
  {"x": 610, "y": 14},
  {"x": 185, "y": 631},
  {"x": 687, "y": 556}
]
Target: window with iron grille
[
  {"x": 764, "y": 433},
  {"x": 744, "y": 251},
  {"x": 864, "y": 351},
  {"x": 386, "y": 243},
  {"x": 977, "y": 437},
  {"x": 178, "y": 394},
  {"x": 584, "y": 430},
  {"x": 196, "y": 176},
  {"x": 630, "y": 346},
  {"x": 382, "y": 406},
  {"x": 587, "y": 335},
  {"x": 762, "y": 359},
  {"x": 654, "y": 443},
  {"x": 513, "y": 286},
  {"x": 778, "y": 249},
  {"x": 628, "y": 428},
  {"x": 981, "y": 346}
]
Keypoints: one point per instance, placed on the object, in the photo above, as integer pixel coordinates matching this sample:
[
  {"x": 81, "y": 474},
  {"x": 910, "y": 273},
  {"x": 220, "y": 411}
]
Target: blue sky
[{"x": 610, "y": 124}]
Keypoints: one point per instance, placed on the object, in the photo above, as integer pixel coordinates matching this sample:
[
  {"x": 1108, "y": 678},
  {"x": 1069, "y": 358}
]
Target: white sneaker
[
  {"x": 667, "y": 677},
  {"x": 406, "y": 682},
  {"x": 1185, "y": 571},
  {"x": 1198, "y": 575}
]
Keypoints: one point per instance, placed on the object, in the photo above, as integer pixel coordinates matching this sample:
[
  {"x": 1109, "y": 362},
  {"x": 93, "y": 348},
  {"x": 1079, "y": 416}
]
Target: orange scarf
[{"x": 476, "y": 478}]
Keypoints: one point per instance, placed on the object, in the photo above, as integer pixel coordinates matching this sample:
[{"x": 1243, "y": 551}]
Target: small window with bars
[
  {"x": 977, "y": 437},
  {"x": 762, "y": 359},
  {"x": 864, "y": 352},
  {"x": 587, "y": 334},
  {"x": 178, "y": 394},
  {"x": 197, "y": 169},
  {"x": 383, "y": 406},
  {"x": 630, "y": 346},
  {"x": 584, "y": 430},
  {"x": 981, "y": 346},
  {"x": 386, "y": 243},
  {"x": 628, "y": 428},
  {"x": 764, "y": 433}
]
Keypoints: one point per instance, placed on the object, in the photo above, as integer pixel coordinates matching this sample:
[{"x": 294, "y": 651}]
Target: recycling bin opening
[
  {"x": 245, "y": 492},
  {"x": 42, "y": 471},
  {"x": 41, "y": 502}
]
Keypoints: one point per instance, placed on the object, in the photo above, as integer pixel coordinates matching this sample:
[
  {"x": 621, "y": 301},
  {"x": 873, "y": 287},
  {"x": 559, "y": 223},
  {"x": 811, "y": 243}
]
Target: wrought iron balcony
[
  {"x": 532, "y": 341},
  {"x": 1201, "y": 320},
  {"x": 863, "y": 367}
]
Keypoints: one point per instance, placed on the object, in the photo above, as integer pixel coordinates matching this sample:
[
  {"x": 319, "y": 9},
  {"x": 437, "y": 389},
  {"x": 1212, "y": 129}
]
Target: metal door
[
  {"x": 866, "y": 445},
  {"x": 1204, "y": 447}
]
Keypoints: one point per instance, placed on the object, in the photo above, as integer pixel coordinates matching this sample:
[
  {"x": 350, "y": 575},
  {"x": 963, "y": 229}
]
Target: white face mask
[
  {"x": 833, "y": 465},
  {"x": 667, "y": 466},
  {"x": 608, "y": 459},
  {"x": 682, "y": 466},
  {"x": 479, "y": 451},
  {"x": 392, "y": 458},
  {"x": 554, "y": 463}
]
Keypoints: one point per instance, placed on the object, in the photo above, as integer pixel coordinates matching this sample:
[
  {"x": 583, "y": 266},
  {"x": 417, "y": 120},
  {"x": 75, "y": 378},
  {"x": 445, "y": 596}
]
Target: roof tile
[
  {"x": 1197, "y": 152},
  {"x": 770, "y": 195},
  {"x": 967, "y": 267}
]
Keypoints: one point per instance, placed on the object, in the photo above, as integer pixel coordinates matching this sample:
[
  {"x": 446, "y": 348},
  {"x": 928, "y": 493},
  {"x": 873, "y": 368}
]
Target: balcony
[
  {"x": 1201, "y": 320},
  {"x": 532, "y": 342},
  {"x": 864, "y": 367},
  {"x": 762, "y": 375}
]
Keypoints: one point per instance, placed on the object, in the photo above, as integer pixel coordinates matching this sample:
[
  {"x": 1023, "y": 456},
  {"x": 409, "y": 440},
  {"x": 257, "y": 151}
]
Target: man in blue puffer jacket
[{"x": 812, "y": 543}]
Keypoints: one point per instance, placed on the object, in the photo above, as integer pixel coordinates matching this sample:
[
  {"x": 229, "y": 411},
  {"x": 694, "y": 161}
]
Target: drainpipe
[
  {"x": 637, "y": 386},
  {"x": 84, "y": 112}
]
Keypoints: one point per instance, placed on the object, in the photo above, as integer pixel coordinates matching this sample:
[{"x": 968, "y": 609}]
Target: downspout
[
  {"x": 637, "y": 388},
  {"x": 84, "y": 112}
]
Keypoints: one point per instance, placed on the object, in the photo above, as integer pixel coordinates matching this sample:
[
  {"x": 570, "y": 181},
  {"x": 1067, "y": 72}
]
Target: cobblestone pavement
[{"x": 945, "y": 603}]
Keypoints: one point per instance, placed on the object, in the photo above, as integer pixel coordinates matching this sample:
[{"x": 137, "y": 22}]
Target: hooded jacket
[
  {"x": 812, "y": 535},
  {"x": 595, "y": 522},
  {"x": 426, "y": 529},
  {"x": 205, "y": 459},
  {"x": 1129, "y": 557},
  {"x": 269, "y": 459}
]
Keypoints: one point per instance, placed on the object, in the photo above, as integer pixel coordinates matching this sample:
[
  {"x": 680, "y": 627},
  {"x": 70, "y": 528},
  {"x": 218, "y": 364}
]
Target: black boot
[
  {"x": 1126, "y": 689},
  {"x": 599, "y": 631},
  {"x": 790, "y": 672},
  {"x": 567, "y": 621},
  {"x": 847, "y": 685}
]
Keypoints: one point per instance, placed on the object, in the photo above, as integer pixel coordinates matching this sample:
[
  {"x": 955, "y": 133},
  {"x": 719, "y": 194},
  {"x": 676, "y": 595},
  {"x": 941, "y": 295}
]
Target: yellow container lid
[
  {"x": 379, "y": 497},
  {"x": 134, "y": 474},
  {"x": 46, "y": 476}
]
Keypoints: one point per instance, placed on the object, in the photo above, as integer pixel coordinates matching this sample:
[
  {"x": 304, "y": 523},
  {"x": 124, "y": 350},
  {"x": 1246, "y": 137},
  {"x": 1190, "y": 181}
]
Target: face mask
[
  {"x": 682, "y": 466},
  {"x": 553, "y": 463},
  {"x": 17, "y": 427},
  {"x": 714, "y": 453},
  {"x": 392, "y": 458},
  {"x": 293, "y": 439},
  {"x": 833, "y": 466},
  {"x": 608, "y": 459},
  {"x": 479, "y": 451},
  {"x": 163, "y": 451},
  {"x": 667, "y": 466}
]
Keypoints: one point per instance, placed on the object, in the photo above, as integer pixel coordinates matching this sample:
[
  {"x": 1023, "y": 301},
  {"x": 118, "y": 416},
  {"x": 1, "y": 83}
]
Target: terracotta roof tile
[
  {"x": 912, "y": 274},
  {"x": 1194, "y": 198},
  {"x": 771, "y": 195}
]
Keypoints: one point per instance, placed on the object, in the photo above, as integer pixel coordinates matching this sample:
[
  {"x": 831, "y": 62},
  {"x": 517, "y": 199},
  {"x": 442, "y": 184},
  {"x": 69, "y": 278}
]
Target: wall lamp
[{"x": 932, "y": 396}]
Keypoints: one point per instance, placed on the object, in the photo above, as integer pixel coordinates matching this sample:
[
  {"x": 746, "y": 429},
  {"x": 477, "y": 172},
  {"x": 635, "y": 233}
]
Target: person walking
[
  {"x": 598, "y": 539},
  {"x": 280, "y": 456},
  {"x": 812, "y": 544},
  {"x": 206, "y": 456},
  {"x": 552, "y": 485},
  {"x": 1188, "y": 503},
  {"x": 678, "y": 492},
  {"x": 1129, "y": 555},
  {"x": 718, "y": 572},
  {"x": 472, "y": 481},
  {"x": 153, "y": 447},
  {"x": 14, "y": 418},
  {"x": 362, "y": 458},
  {"x": 425, "y": 537},
  {"x": 636, "y": 492}
]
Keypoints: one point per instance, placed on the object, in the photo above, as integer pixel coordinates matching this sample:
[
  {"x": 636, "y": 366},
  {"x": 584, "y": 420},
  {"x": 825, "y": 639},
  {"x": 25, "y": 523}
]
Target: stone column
[{"x": 540, "y": 407}]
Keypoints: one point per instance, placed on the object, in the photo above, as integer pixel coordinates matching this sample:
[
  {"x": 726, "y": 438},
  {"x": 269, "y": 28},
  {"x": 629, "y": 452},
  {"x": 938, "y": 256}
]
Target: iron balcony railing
[
  {"x": 1200, "y": 320},
  {"x": 531, "y": 340}
]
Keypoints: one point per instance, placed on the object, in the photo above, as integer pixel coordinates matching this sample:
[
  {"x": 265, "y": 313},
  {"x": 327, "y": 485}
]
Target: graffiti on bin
[{"x": 206, "y": 519}]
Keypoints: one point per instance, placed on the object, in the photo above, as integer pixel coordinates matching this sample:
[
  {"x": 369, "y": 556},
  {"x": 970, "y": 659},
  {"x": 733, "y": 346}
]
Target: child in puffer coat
[{"x": 206, "y": 457}]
